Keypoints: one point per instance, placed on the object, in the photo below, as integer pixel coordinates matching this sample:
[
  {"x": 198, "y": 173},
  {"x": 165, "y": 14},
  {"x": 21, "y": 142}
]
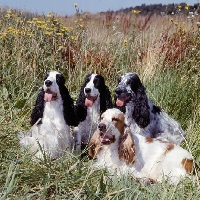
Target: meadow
[{"x": 162, "y": 49}]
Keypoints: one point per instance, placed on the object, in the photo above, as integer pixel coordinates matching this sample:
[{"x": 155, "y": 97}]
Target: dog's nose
[
  {"x": 87, "y": 90},
  {"x": 118, "y": 91},
  {"x": 48, "y": 83},
  {"x": 102, "y": 127}
]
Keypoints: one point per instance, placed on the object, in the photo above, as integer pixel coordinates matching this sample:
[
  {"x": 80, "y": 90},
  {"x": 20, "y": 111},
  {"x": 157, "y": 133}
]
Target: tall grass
[{"x": 165, "y": 54}]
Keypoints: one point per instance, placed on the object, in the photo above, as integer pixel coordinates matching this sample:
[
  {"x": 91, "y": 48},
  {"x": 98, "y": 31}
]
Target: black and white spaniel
[
  {"x": 141, "y": 114},
  {"x": 146, "y": 158},
  {"x": 95, "y": 98},
  {"x": 50, "y": 119}
]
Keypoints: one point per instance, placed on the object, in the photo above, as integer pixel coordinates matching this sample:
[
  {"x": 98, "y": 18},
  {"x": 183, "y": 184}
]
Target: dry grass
[{"x": 166, "y": 59}]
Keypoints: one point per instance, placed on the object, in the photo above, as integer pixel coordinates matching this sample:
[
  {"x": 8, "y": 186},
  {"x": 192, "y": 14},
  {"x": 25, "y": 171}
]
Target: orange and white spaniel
[{"x": 147, "y": 158}]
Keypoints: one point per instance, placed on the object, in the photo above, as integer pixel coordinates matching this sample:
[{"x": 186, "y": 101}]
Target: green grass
[{"x": 24, "y": 61}]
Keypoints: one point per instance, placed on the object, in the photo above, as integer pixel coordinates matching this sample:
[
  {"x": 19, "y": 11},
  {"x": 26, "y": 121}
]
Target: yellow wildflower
[
  {"x": 29, "y": 22},
  {"x": 73, "y": 37},
  {"x": 75, "y": 5},
  {"x": 30, "y": 34},
  {"x": 187, "y": 7},
  {"x": 58, "y": 34},
  {"x": 15, "y": 31},
  {"x": 47, "y": 33},
  {"x": 35, "y": 19},
  {"x": 179, "y": 6},
  {"x": 176, "y": 23},
  {"x": 125, "y": 42},
  {"x": 48, "y": 29},
  {"x": 7, "y": 16},
  {"x": 171, "y": 19},
  {"x": 60, "y": 47},
  {"x": 136, "y": 11}
]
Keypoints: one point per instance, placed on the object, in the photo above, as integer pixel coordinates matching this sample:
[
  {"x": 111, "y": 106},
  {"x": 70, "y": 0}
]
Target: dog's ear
[
  {"x": 141, "y": 113},
  {"x": 80, "y": 108},
  {"x": 106, "y": 99},
  {"x": 126, "y": 149},
  {"x": 94, "y": 145},
  {"x": 68, "y": 107},
  {"x": 38, "y": 109}
]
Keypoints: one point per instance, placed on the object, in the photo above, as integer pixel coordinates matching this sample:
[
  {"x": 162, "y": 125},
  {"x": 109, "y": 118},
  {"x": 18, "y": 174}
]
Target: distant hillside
[{"x": 164, "y": 9}]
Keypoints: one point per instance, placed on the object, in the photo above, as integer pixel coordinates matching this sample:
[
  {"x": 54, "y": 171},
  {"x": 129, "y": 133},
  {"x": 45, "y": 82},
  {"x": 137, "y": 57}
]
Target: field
[{"x": 163, "y": 50}]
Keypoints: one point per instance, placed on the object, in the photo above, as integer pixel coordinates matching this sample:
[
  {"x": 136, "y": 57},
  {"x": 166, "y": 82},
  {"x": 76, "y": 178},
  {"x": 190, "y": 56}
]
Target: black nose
[
  {"x": 87, "y": 90},
  {"x": 118, "y": 91},
  {"x": 102, "y": 127},
  {"x": 48, "y": 83}
]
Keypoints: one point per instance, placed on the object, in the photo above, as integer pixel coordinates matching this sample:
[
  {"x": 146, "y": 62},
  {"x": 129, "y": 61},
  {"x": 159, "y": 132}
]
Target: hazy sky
[{"x": 66, "y": 7}]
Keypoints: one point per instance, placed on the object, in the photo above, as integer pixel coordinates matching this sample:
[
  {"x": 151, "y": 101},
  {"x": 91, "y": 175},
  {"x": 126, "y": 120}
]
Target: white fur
[
  {"x": 83, "y": 132},
  {"x": 153, "y": 160},
  {"x": 165, "y": 126},
  {"x": 53, "y": 134},
  {"x": 161, "y": 124}
]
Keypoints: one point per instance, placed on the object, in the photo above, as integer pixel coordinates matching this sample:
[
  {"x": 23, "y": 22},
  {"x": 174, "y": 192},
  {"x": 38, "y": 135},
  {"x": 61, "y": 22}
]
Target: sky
[{"x": 66, "y": 7}]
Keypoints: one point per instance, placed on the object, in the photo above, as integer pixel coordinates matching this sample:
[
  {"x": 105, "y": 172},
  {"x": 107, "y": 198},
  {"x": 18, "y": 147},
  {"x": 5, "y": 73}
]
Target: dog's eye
[
  {"x": 60, "y": 79},
  {"x": 96, "y": 82},
  {"x": 87, "y": 80},
  {"x": 115, "y": 119}
]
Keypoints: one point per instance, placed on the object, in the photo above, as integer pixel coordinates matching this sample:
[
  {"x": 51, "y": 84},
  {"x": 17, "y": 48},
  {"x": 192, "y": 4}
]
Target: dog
[
  {"x": 51, "y": 118},
  {"x": 141, "y": 114},
  {"x": 145, "y": 158},
  {"x": 95, "y": 98}
]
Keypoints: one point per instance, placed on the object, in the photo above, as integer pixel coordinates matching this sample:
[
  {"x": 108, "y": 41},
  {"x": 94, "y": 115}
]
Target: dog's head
[
  {"x": 130, "y": 89},
  {"x": 52, "y": 83},
  {"x": 111, "y": 130},
  {"x": 127, "y": 88},
  {"x": 94, "y": 84}
]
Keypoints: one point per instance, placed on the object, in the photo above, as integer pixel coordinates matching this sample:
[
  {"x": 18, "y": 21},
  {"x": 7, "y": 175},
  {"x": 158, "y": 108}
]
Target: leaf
[{"x": 20, "y": 103}]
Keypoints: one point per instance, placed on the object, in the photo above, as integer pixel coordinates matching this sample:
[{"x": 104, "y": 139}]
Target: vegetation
[
  {"x": 163, "y": 50},
  {"x": 169, "y": 9}
]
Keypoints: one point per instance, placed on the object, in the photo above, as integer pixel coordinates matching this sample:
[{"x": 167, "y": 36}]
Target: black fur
[
  {"x": 142, "y": 115},
  {"x": 38, "y": 109},
  {"x": 141, "y": 112},
  {"x": 105, "y": 97},
  {"x": 68, "y": 105}
]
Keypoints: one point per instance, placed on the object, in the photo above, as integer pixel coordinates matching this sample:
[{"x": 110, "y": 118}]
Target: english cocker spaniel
[
  {"x": 145, "y": 158},
  {"x": 51, "y": 117},
  {"x": 141, "y": 114},
  {"x": 95, "y": 98}
]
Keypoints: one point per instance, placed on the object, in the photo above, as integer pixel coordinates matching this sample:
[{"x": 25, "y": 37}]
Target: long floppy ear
[
  {"x": 68, "y": 107},
  {"x": 38, "y": 109},
  {"x": 141, "y": 113},
  {"x": 106, "y": 99},
  {"x": 126, "y": 149},
  {"x": 81, "y": 109},
  {"x": 94, "y": 145},
  {"x": 121, "y": 108}
]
